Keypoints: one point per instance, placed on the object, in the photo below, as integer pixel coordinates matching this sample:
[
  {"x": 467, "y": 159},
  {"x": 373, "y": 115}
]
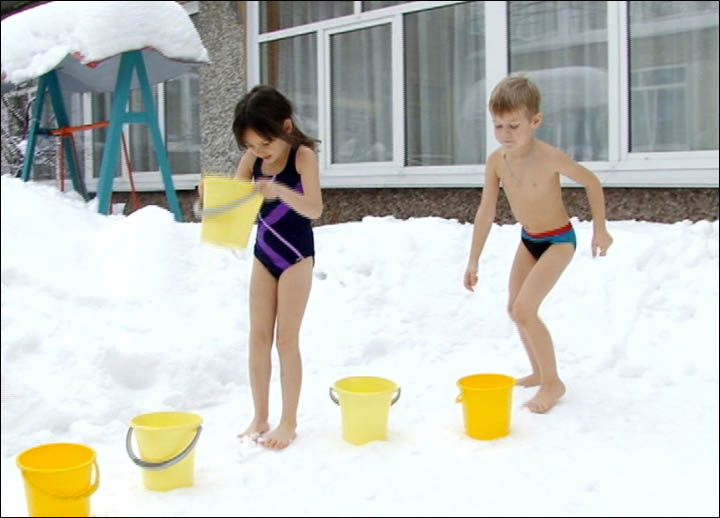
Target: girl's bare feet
[
  {"x": 255, "y": 430},
  {"x": 280, "y": 437},
  {"x": 533, "y": 380},
  {"x": 546, "y": 397}
]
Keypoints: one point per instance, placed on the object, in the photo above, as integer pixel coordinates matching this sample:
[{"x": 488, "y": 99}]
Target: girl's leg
[
  {"x": 263, "y": 304},
  {"x": 538, "y": 283},
  {"x": 523, "y": 263},
  {"x": 293, "y": 292}
]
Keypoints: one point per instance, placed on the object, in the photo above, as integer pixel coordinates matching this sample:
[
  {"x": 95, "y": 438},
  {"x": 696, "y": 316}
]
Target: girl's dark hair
[{"x": 264, "y": 110}]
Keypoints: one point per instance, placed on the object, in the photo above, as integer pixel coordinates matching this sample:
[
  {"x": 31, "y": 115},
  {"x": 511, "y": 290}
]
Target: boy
[{"x": 529, "y": 171}]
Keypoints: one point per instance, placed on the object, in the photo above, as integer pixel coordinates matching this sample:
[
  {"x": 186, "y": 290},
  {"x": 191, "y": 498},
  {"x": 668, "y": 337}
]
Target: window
[
  {"x": 397, "y": 92},
  {"x": 361, "y": 99},
  {"x": 674, "y": 76},
  {"x": 562, "y": 46},
  {"x": 445, "y": 107},
  {"x": 282, "y": 15},
  {"x": 290, "y": 65}
]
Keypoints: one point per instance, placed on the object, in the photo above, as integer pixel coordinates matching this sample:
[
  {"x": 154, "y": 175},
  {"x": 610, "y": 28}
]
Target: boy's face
[{"x": 515, "y": 129}]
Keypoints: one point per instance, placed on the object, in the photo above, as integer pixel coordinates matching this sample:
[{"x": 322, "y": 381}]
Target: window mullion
[
  {"x": 496, "y": 44},
  {"x": 398, "y": 95}
]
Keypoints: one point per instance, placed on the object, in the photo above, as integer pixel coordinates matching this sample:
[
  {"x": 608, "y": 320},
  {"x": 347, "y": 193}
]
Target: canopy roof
[{"x": 83, "y": 42}]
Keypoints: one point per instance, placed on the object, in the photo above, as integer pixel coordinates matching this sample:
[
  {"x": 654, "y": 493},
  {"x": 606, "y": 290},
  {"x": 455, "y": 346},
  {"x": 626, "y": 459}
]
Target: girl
[{"x": 281, "y": 160}]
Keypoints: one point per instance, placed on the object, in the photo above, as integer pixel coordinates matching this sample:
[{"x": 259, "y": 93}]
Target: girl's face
[
  {"x": 514, "y": 129},
  {"x": 270, "y": 150}
]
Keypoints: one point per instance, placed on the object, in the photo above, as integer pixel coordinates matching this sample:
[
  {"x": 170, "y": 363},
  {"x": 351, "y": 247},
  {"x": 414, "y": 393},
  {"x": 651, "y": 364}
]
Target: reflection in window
[
  {"x": 182, "y": 124},
  {"x": 445, "y": 86},
  {"x": 369, "y": 6},
  {"x": 290, "y": 65},
  {"x": 673, "y": 76},
  {"x": 361, "y": 95},
  {"x": 101, "y": 109},
  {"x": 562, "y": 46},
  {"x": 141, "y": 144},
  {"x": 281, "y": 15}
]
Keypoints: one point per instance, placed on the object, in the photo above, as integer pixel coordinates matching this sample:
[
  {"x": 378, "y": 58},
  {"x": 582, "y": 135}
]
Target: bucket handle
[
  {"x": 337, "y": 402},
  {"x": 82, "y": 494},
  {"x": 157, "y": 466},
  {"x": 227, "y": 207}
]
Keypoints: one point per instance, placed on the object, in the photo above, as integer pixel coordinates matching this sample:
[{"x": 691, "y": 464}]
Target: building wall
[
  {"x": 343, "y": 205},
  {"x": 222, "y": 28}
]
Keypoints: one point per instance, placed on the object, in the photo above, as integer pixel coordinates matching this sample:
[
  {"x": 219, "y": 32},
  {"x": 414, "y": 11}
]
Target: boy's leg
[
  {"x": 522, "y": 264},
  {"x": 263, "y": 304},
  {"x": 293, "y": 292},
  {"x": 538, "y": 283}
]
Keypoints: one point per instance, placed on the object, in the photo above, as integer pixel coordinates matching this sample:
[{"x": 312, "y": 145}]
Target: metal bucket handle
[
  {"x": 157, "y": 466},
  {"x": 210, "y": 212},
  {"x": 337, "y": 402}
]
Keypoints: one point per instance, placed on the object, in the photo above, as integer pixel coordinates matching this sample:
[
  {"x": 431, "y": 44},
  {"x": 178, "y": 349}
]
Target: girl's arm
[
  {"x": 244, "y": 168},
  {"x": 309, "y": 202}
]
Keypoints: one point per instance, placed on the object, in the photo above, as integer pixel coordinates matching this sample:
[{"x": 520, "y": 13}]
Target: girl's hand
[{"x": 268, "y": 188}]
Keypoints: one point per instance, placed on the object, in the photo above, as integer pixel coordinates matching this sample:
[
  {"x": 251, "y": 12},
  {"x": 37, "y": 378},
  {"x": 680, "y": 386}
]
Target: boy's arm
[
  {"x": 484, "y": 216},
  {"x": 593, "y": 188}
]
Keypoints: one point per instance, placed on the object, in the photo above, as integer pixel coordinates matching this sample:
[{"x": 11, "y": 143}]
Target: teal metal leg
[
  {"x": 111, "y": 152},
  {"x": 119, "y": 115},
  {"x": 63, "y": 121},
  {"x": 160, "y": 151},
  {"x": 33, "y": 131}
]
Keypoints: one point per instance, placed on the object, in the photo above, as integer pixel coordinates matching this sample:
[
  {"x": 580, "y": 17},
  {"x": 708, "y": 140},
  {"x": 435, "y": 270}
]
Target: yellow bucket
[
  {"x": 58, "y": 479},
  {"x": 487, "y": 401},
  {"x": 365, "y": 405},
  {"x": 166, "y": 441},
  {"x": 230, "y": 208}
]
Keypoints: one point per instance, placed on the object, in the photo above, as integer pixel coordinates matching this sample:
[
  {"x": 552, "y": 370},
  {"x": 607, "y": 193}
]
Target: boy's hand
[
  {"x": 470, "y": 279},
  {"x": 601, "y": 240}
]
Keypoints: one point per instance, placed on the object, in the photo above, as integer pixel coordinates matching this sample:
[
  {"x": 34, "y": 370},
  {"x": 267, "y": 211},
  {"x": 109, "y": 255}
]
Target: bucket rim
[
  {"x": 509, "y": 381},
  {"x": 24, "y": 467},
  {"x": 197, "y": 420},
  {"x": 365, "y": 393}
]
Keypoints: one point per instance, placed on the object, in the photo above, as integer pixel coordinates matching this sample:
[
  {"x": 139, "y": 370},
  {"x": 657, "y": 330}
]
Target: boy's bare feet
[
  {"x": 546, "y": 397},
  {"x": 533, "y": 380},
  {"x": 255, "y": 430},
  {"x": 280, "y": 437}
]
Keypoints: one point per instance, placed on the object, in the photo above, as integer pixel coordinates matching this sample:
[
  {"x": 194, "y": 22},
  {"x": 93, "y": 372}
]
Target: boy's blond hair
[{"x": 513, "y": 93}]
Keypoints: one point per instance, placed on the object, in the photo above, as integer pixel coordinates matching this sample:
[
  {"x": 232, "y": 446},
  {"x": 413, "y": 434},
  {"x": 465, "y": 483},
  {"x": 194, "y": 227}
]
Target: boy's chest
[{"x": 526, "y": 182}]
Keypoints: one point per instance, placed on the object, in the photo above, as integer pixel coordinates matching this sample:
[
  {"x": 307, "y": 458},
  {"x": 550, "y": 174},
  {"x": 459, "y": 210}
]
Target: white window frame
[{"x": 622, "y": 169}]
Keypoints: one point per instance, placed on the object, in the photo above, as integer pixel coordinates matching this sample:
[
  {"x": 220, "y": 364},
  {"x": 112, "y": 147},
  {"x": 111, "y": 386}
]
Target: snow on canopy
[{"x": 84, "y": 40}]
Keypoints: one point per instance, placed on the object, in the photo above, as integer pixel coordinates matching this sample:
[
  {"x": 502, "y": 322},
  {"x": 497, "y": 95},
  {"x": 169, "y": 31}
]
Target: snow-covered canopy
[{"x": 84, "y": 40}]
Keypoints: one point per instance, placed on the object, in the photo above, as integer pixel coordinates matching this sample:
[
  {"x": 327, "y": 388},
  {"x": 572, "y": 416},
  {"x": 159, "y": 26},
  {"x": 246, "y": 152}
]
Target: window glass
[
  {"x": 562, "y": 46},
  {"x": 369, "y": 6},
  {"x": 445, "y": 108},
  {"x": 673, "y": 76},
  {"x": 182, "y": 124},
  {"x": 290, "y": 65},
  {"x": 282, "y": 15},
  {"x": 361, "y": 95}
]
